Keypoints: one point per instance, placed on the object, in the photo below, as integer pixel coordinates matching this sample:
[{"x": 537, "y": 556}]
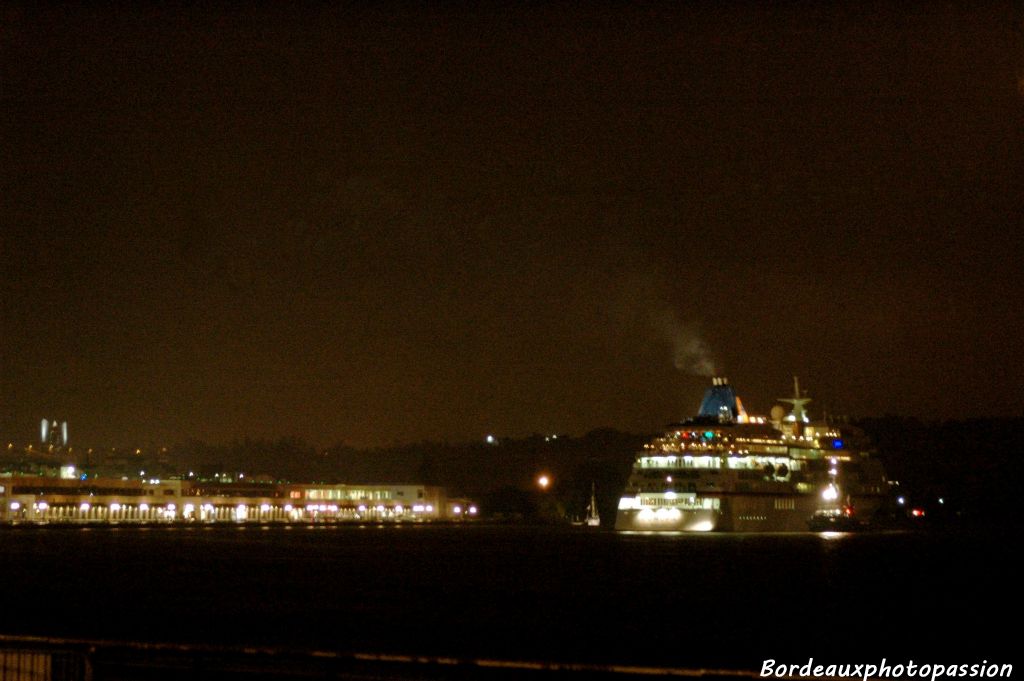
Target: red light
[
  {"x": 917, "y": 513},
  {"x": 848, "y": 510}
]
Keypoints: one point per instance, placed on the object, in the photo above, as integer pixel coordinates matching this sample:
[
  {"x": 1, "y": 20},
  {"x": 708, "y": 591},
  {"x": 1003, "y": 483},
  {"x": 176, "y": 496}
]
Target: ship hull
[{"x": 745, "y": 513}]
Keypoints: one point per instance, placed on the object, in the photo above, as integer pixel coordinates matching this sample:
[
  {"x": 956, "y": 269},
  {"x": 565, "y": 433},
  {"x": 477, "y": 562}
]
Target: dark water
[{"x": 521, "y": 593}]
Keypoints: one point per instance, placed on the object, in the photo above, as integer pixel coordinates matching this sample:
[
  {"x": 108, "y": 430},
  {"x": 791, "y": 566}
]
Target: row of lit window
[
  {"x": 340, "y": 494},
  {"x": 687, "y": 502},
  {"x": 680, "y": 462}
]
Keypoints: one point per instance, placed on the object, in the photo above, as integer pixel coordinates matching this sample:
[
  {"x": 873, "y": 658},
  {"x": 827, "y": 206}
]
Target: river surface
[{"x": 522, "y": 593}]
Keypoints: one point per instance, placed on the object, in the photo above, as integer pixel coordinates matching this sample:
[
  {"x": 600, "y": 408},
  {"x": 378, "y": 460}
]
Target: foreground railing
[{"x": 31, "y": 658}]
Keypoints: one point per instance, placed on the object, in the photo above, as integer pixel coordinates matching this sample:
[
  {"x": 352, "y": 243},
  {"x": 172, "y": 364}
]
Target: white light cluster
[
  {"x": 662, "y": 516},
  {"x": 629, "y": 503}
]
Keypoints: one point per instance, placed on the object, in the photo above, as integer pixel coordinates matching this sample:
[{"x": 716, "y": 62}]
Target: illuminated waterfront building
[{"x": 33, "y": 499}]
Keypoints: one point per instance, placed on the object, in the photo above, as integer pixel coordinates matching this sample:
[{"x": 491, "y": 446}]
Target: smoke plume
[{"x": 690, "y": 353}]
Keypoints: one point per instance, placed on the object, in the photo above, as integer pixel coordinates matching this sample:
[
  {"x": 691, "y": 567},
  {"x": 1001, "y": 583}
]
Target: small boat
[
  {"x": 593, "y": 519},
  {"x": 835, "y": 520}
]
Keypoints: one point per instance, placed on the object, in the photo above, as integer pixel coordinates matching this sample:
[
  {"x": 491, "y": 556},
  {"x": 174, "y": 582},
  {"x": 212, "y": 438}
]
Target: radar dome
[{"x": 778, "y": 412}]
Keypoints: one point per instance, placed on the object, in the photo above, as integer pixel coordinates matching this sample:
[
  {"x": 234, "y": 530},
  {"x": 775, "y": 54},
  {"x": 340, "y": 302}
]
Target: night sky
[{"x": 383, "y": 223}]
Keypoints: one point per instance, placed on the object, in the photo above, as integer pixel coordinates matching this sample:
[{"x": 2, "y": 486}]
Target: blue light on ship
[{"x": 837, "y": 444}]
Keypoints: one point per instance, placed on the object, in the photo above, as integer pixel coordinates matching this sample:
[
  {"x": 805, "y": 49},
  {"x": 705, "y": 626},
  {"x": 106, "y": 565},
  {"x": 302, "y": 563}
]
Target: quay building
[{"x": 36, "y": 499}]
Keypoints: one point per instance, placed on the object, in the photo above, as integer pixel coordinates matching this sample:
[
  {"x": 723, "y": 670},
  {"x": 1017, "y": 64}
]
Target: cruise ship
[{"x": 727, "y": 471}]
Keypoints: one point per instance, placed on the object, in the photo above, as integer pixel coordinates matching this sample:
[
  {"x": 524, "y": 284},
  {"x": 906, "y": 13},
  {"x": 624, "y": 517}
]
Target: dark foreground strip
[{"x": 132, "y": 659}]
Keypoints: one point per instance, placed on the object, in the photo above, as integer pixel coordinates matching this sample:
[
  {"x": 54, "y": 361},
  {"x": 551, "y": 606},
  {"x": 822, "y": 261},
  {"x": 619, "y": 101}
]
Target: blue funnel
[{"x": 720, "y": 402}]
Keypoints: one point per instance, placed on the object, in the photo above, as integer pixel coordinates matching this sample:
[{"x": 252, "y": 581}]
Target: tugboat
[
  {"x": 727, "y": 471},
  {"x": 835, "y": 520}
]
